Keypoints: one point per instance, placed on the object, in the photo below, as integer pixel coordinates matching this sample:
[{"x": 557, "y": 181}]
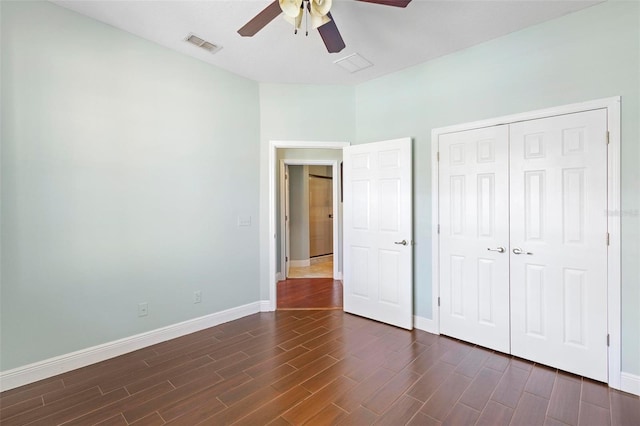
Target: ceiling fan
[{"x": 317, "y": 11}]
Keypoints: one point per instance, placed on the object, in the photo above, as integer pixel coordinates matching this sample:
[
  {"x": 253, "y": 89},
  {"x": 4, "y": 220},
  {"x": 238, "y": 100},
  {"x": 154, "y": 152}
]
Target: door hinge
[
  {"x": 438, "y": 228},
  {"x": 286, "y": 217},
  {"x": 608, "y": 340},
  {"x": 607, "y": 137},
  {"x": 286, "y": 258},
  {"x": 608, "y": 238},
  {"x": 438, "y": 156},
  {"x": 438, "y": 301}
]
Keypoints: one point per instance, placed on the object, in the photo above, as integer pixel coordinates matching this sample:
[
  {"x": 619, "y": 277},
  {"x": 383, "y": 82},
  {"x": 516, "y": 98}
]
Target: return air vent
[
  {"x": 203, "y": 44},
  {"x": 353, "y": 63}
]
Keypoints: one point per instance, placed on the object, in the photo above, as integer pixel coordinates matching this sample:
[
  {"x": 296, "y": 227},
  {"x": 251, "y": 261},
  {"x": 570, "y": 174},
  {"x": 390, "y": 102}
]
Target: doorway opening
[
  {"x": 304, "y": 153},
  {"x": 308, "y": 217}
]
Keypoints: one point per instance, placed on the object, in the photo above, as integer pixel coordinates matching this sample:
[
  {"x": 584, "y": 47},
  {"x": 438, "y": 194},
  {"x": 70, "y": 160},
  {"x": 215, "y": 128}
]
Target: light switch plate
[{"x": 244, "y": 220}]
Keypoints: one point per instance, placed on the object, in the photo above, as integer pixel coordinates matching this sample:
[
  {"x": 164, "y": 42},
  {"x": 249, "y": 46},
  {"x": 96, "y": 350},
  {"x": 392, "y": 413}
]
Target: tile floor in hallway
[{"x": 319, "y": 268}]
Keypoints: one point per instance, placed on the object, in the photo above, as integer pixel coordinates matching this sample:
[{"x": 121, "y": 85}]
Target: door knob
[
  {"x": 402, "y": 243},
  {"x": 499, "y": 249},
  {"x": 518, "y": 250}
]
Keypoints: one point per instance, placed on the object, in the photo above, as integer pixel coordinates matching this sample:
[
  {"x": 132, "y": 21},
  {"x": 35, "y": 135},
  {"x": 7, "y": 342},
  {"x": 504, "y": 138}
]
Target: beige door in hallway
[{"x": 320, "y": 216}]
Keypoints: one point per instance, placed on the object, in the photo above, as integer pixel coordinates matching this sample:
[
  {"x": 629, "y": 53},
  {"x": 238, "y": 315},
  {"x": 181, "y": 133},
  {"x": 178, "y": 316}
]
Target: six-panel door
[
  {"x": 545, "y": 183},
  {"x": 559, "y": 242},
  {"x": 474, "y": 236},
  {"x": 378, "y": 229}
]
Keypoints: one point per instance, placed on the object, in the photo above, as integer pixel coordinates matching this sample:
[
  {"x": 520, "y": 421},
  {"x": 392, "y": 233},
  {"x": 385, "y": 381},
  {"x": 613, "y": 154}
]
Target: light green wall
[
  {"x": 291, "y": 112},
  {"x": 587, "y": 55},
  {"x": 124, "y": 169}
]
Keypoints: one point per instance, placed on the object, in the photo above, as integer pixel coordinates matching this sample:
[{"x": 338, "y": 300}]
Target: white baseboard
[
  {"x": 280, "y": 276},
  {"x": 630, "y": 383},
  {"x": 61, "y": 364},
  {"x": 267, "y": 306},
  {"x": 425, "y": 324},
  {"x": 300, "y": 263},
  {"x": 338, "y": 276}
]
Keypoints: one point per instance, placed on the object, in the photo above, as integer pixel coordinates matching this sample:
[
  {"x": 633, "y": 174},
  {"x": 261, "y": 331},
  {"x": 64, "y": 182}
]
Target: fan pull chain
[{"x": 306, "y": 19}]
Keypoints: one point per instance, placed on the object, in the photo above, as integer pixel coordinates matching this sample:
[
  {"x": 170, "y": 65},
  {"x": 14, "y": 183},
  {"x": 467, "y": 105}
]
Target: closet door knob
[
  {"x": 518, "y": 250},
  {"x": 499, "y": 249}
]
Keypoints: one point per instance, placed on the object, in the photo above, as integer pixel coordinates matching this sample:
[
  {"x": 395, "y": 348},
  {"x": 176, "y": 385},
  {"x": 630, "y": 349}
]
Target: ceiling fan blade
[
  {"x": 331, "y": 36},
  {"x": 261, "y": 19},
  {"x": 396, "y": 3}
]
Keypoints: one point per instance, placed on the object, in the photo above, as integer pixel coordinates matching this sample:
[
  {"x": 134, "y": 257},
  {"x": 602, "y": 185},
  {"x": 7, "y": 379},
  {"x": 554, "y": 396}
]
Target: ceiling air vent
[
  {"x": 203, "y": 44},
  {"x": 353, "y": 63}
]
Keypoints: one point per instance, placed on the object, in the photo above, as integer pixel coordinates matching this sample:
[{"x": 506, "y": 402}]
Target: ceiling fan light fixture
[
  {"x": 295, "y": 21},
  {"x": 291, "y": 8},
  {"x": 319, "y": 7}
]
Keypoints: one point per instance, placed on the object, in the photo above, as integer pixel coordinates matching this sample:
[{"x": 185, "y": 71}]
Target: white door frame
[
  {"x": 273, "y": 147},
  {"x": 336, "y": 212},
  {"x": 613, "y": 206}
]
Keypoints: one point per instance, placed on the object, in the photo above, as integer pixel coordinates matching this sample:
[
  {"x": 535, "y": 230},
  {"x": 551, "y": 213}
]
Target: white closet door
[
  {"x": 474, "y": 236},
  {"x": 558, "y": 192}
]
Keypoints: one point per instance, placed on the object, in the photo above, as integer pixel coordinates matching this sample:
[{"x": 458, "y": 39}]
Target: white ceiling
[{"x": 391, "y": 38}]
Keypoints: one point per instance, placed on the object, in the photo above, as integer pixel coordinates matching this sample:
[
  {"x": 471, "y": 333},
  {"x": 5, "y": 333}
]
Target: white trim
[
  {"x": 266, "y": 306},
  {"x": 61, "y": 364},
  {"x": 273, "y": 146},
  {"x": 613, "y": 205},
  {"x": 614, "y": 261},
  {"x": 425, "y": 324},
  {"x": 299, "y": 263},
  {"x": 435, "y": 237},
  {"x": 630, "y": 383},
  {"x": 279, "y": 276},
  {"x": 531, "y": 115}
]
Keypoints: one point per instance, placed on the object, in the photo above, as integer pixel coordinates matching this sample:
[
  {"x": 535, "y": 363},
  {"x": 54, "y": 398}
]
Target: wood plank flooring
[
  {"x": 309, "y": 293},
  {"x": 317, "y": 368}
]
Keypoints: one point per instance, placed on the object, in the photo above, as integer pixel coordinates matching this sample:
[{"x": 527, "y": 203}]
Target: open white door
[{"x": 378, "y": 231}]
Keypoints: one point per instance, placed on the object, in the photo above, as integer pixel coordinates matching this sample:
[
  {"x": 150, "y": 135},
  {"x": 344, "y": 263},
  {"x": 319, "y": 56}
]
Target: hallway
[{"x": 321, "y": 267}]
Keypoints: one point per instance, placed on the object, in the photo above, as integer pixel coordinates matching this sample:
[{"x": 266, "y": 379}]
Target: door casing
[
  {"x": 273, "y": 147},
  {"x": 612, "y": 106}
]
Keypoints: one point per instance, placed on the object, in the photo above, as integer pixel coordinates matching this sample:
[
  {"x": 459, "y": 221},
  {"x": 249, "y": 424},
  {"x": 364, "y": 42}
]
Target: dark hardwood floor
[
  {"x": 309, "y": 293},
  {"x": 320, "y": 368}
]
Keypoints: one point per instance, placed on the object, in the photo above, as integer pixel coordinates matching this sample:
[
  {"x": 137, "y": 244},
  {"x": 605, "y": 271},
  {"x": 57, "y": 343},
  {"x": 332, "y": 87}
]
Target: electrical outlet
[
  {"x": 197, "y": 296},
  {"x": 143, "y": 309}
]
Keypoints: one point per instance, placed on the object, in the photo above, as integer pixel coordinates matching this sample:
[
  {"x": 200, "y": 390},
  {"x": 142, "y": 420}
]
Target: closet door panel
[
  {"x": 474, "y": 223},
  {"x": 558, "y": 196}
]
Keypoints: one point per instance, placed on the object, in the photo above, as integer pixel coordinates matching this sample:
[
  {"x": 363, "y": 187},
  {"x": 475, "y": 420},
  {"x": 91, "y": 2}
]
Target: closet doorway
[{"x": 524, "y": 245}]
